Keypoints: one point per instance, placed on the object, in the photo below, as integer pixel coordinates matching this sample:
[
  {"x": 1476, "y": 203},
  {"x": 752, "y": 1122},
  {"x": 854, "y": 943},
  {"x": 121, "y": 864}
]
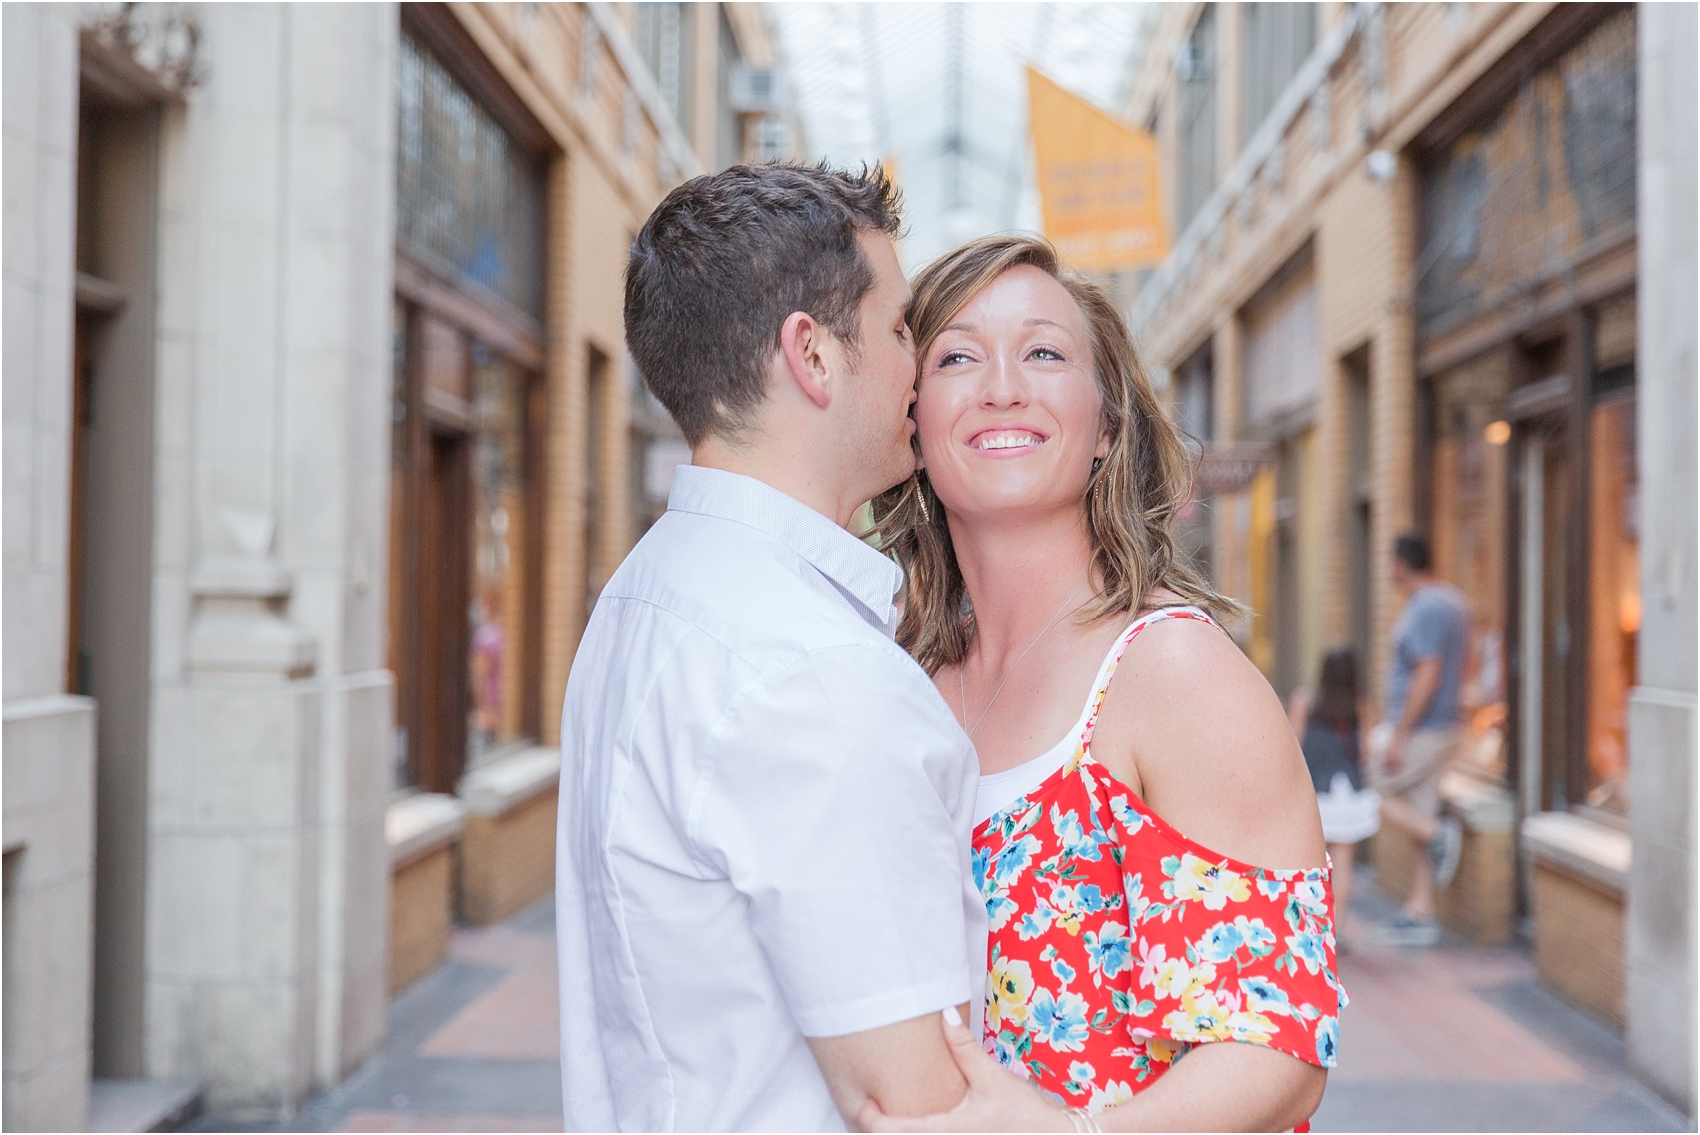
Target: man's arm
[
  {"x": 834, "y": 804},
  {"x": 904, "y": 1069}
]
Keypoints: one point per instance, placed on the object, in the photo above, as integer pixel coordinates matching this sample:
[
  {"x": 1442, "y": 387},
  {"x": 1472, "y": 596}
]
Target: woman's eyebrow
[
  {"x": 959, "y": 327},
  {"x": 1037, "y": 320}
]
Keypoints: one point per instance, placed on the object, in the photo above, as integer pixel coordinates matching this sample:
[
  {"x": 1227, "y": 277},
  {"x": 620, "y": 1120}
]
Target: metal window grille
[
  {"x": 1277, "y": 39},
  {"x": 1542, "y": 180},
  {"x": 663, "y": 35},
  {"x": 468, "y": 198},
  {"x": 1197, "y": 72}
]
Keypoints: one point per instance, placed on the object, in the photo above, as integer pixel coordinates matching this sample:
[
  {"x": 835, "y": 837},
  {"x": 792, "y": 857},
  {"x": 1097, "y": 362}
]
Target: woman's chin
[{"x": 1012, "y": 505}]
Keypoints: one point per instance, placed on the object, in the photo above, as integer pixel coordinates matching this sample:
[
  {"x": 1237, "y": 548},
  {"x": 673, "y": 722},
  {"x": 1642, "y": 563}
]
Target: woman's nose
[{"x": 1004, "y": 383}]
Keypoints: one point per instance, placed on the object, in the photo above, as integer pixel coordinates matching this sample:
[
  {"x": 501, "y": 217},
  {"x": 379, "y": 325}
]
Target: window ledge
[
  {"x": 1587, "y": 849},
  {"x": 417, "y": 825},
  {"x": 1482, "y": 805},
  {"x": 507, "y": 782}
]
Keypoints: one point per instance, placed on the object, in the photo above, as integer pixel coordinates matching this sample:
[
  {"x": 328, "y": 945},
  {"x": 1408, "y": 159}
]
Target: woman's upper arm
[{"x": 1210, "y": 747}]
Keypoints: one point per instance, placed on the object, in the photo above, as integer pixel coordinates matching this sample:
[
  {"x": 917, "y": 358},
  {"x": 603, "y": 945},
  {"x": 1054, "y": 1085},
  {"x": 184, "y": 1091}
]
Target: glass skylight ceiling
[{"x": 938, "y": 91}]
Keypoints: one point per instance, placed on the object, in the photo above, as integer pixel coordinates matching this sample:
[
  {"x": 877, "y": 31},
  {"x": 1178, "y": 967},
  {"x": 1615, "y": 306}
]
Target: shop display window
[
  {"x": 1614, "y": 600},
  {"x": 1469, "y": 494},
  {"x": 499, "y": 539}
]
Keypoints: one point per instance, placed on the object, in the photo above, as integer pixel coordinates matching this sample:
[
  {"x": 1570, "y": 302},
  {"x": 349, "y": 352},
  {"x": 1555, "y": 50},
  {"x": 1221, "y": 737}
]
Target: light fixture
[{"x": 1497, "y": 433}]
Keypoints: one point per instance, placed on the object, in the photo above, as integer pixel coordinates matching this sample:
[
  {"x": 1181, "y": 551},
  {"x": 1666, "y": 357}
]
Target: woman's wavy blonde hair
[{"x": 1132, "y": 496}]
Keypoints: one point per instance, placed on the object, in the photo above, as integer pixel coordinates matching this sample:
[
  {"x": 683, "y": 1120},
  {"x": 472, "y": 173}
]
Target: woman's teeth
[{"x": 1007, "y": 441}]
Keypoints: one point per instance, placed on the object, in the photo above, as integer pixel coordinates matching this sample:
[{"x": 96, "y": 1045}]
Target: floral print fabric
[{"x": 1117, "y": 944}]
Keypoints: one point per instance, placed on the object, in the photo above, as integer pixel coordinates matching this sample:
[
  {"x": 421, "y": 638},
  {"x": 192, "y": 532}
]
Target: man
[
  {"x": 763, "y": 894},
  {"x": 1430, "y": 641}
]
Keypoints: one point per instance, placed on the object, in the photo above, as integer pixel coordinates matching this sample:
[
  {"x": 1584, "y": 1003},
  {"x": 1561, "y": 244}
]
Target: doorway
[
  {"x": 110, "y": 538},
  {"x": 1545, "y": 710}
]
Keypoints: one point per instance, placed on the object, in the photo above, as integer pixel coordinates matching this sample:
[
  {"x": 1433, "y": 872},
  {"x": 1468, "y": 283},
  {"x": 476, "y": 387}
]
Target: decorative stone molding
[
  {"x": 239, "y": 625},
  {"x": 163, "y": 39}
]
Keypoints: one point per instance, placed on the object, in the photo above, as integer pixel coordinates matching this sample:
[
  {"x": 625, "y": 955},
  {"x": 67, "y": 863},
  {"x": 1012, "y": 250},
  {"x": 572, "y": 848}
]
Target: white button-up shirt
[{"x": 764, "y": 821}]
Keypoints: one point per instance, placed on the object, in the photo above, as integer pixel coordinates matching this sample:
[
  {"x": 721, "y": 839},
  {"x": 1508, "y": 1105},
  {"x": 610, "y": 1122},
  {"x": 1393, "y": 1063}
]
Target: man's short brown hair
[{"x": 722, "y": 263}]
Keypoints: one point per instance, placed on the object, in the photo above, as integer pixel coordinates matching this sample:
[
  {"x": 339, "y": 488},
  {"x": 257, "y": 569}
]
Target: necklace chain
[{"x": 962, "y": 671}]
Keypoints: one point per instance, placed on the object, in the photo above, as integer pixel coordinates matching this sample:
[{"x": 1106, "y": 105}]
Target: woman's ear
[{"x": 1103, "y": 449}]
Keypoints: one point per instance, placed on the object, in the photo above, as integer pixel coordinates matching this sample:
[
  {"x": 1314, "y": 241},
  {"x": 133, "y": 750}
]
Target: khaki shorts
[{"x": 1417, "y": 779}]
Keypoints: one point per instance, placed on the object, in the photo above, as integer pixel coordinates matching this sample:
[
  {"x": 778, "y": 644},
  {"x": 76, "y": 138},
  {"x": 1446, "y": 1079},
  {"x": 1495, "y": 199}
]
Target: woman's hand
[{"x": 997, "y": 1099}]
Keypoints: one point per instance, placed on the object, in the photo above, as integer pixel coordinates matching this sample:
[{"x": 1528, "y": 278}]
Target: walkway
[
  {"x": 473, "y": 1046},
  {"x": 1461, "y": 1038},
  {"x": 1455, "y": 1038}
]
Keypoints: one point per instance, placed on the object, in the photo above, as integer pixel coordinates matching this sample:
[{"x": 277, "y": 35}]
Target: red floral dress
[{"x": 1117, "y": 944}]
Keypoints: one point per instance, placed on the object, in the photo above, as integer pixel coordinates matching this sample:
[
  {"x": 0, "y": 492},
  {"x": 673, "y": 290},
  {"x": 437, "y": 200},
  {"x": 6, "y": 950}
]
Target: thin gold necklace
[{"x": 962, "y": 671}]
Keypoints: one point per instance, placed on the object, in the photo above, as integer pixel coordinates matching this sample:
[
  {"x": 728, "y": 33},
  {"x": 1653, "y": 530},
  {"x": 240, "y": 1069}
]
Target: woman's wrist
[{"x": 1082, "y": 1120}]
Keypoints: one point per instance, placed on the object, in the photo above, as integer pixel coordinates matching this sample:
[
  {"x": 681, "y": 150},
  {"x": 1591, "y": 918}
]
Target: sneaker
[
  {"x": 1403, "y": 930},
  {"x": 1445, "y": 849}
]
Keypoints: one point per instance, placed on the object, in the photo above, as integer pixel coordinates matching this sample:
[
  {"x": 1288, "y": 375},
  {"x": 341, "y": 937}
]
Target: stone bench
[
  {"x": 1579, "y": 872},
  {"x": 1480, "y": 903}
]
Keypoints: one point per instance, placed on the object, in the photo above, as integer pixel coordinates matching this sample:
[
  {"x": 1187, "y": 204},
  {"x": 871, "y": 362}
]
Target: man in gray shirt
[{"x": 1425, "y": 676}]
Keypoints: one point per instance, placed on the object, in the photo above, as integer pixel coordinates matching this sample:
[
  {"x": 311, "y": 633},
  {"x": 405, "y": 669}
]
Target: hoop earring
[{"x": 921, "y": 499}]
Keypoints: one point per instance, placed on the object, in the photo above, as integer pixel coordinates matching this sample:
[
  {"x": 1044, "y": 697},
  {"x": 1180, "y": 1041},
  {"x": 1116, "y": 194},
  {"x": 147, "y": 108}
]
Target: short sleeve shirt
[
  {"x": 764, "y": 821},
  {"x": 1434, "y": 624}
]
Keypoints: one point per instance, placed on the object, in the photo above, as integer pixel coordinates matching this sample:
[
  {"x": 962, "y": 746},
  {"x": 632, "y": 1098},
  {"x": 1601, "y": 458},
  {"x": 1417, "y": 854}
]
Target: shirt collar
[{"x": 856, "y": 568}]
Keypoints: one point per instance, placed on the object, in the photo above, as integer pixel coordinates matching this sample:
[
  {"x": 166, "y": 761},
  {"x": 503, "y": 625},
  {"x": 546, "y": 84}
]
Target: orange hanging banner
[{"x": 1097, "y": 182}]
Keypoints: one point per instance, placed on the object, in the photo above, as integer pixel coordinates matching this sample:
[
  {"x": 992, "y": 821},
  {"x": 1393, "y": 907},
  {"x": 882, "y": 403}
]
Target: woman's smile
[{"x": 1007, "y": 440}]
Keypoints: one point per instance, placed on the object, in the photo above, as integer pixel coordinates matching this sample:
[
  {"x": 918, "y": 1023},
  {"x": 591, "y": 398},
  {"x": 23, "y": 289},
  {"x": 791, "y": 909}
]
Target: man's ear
[{"x": 801, "y": 341}]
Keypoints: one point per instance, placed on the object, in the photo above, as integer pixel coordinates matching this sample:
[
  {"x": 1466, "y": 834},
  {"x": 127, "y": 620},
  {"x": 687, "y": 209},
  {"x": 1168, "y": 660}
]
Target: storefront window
[
  {"x": 468, "y": 198},
  {"x": 1470, "y": 454},
  {"x": 496, "y": 612},
  {"x": 1614, "y": 600}
]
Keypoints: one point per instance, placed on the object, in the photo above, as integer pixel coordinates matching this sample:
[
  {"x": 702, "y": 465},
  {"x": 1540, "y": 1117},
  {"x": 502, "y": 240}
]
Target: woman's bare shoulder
[{"x": 1211, "y": 745}]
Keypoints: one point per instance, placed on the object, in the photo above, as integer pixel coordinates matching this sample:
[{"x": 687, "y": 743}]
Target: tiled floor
[{"x": 1450, "y": 1039}]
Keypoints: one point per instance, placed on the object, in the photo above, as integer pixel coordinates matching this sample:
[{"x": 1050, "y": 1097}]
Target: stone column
[
  {"x": 1660, "y": 915},
  {"x": 49, "y": 737},
  {"x": 268, "y": 869}
]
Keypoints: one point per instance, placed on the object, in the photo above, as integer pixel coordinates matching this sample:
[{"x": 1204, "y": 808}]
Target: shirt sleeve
[
  {"x": 1238, "y": 953},
  {"x": 1428, "y": 632},
  {"x": 838, "y": 803}
]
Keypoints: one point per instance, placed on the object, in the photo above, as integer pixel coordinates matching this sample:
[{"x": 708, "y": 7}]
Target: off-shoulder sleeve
[{"x": 1227, "y": 951}]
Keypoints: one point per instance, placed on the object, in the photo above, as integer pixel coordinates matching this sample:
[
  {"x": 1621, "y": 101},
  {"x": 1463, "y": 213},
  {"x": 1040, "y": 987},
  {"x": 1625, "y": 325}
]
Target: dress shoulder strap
[{"x": 1095, "y": 700}]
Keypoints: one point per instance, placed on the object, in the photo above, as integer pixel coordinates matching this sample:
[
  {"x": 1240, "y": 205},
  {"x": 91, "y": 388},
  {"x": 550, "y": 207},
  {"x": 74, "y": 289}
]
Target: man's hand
[
  {"x": 905, "y": 1068},
  {"x": 1394, "y": 755},
  {"x": 997, "y": 1099}
]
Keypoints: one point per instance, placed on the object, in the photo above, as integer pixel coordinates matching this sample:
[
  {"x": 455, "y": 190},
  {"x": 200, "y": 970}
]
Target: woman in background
[{"x": 1329, "y": 725}]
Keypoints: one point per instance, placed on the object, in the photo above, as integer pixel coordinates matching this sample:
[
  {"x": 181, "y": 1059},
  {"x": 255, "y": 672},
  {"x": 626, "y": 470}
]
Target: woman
[
  {"x": 1328, "y": 723},
  {"x": 1129, "y": 925}
]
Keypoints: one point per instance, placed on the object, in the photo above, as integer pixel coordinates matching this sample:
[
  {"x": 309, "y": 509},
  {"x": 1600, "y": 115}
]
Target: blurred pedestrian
[
  {"x": 1330, "y": 721},
  {"x": 1409, "y": 750},
  {"x": 763, "y": 898},
  {"x": 1146, "y": 837}
]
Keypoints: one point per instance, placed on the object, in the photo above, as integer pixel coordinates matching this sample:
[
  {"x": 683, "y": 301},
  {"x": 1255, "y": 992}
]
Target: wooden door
[{"x": 441, "y": 692}]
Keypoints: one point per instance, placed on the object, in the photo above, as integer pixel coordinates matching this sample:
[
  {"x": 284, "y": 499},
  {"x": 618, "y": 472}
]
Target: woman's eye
[
  {"x": 1046, "y": 354},
  {"x": 951, "y": 358}
]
